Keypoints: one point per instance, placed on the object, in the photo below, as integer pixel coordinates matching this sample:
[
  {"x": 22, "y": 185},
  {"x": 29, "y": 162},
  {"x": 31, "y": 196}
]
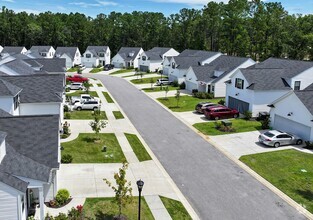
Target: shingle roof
[
  {"x": 35, "y": 137},
  {"x": 70, "y": 51},
  {"x": 306, "y": 98},
  {"x": 4, "y": 113},
  {"x": 38, "y": 88},
  {"x": 310, "y": 87},
  {"x": 55, "y": 65},
  {"x": 198, "y": 53},
  {"x": 125, "y": 52},
  {"x": 40, "y": 48},
  {"x": 186, "y": 62},
  {"x": 96, "y": 49},
  {"x": 265, "y": 79},
  {"x": 13, "y": 181},
  {"x": 157, "y": 53},
  {"x": 20, "y": 67},
  {"x": 153, "y": 56},
  {"x": 2, "y": 136},
  {"x": 204, "y": 73},
  {"x": 12, "y": 50},
  {"x": 8, "y": 89}
]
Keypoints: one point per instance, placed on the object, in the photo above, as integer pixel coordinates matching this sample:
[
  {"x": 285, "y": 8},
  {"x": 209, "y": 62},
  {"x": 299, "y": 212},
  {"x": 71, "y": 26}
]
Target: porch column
[{"x": 41, "y": 203}]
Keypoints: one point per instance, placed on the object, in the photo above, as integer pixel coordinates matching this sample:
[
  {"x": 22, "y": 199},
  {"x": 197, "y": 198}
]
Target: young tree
[
  {"x": 177, "y": 97},
  {"x": 87, "y": 86},
  {"x": 97, "y": 124},
  {"x": 123, "y": 190}
]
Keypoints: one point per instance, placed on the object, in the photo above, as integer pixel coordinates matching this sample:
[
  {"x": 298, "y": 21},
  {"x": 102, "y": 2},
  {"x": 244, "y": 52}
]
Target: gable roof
[
  {"x": 97, "y": 49},
  {"x": 186, "y": 62},
  {"x": 310, "y": 87},
  {"x": 306, "y": 98},
  {"x": 20, "y": 67},
  {"x": 70, "y": 51},
  {"x": 202, "y": 54},
  {"x": 55, "y": 65},
  {"x": 157, "y": 53},
  {"x": 12, "y": 50},
  {"x": 40, "y": 49},
  {"x": 8, "y": 89},
  {"x": 35, "y": 137},
  {"x": 13, "y": 181},
  {"x": 265, "y": 79},
  {"x": 4, "y": 113},
  {"x": 38, "y": 88},
  {"x": 126, "y": 52}
]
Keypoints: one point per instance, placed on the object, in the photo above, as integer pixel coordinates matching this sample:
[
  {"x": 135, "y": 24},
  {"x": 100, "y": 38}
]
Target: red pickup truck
[{"x": 77, "y": 78}]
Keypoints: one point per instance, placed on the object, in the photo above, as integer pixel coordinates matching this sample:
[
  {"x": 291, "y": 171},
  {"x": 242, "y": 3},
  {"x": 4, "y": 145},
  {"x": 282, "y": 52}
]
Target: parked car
[
  {"x": 163, "y": 81},
  {"x": 218, "y": 112},
  {"x": 276, "y": 138},
  {"x": 108, "y": 67},
  {"x": 87, "y": 105},
  {"x": 83, "y": 98},
  {"x": 201, "y": 106},
  {"x": 76, "y": 86},
  {"x": 77, "y": 78}
]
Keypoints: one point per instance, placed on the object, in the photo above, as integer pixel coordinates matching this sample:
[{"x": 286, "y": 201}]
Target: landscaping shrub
[
  {"x": 67, "y": 89},
  {"x": 148, "y": 71},
  {"x": 67, "y": 115},
  {"x": 248, "y": 115},
  {"x": 194, "y": 91},
  {"x": 308, "y": 145},
  {"x": 182, "y": 85},
  {"x": 136, "y": 69},
  {"x": 265, "y": 124},
  {"x": 66, "y": 108},
  {"x": 175, "y": 83},
  {"x": 66, "y": 158},
  {"x": 203, "y": 95},
  {"x": 221, "y": 102},
  {"x": 219, "y": 126},
  {"x": 62, "y": 196}
]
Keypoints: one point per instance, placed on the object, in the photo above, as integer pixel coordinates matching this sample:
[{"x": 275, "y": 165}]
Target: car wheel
[
  {"x": 299, "y": 142},
  {"x": 276, "y": 144},
  {"x": 235, "y": 116},
  {"x": 95, "y": 108},
  {"x": 79, "y": 108},
  {"x": 216, "y": 118}
]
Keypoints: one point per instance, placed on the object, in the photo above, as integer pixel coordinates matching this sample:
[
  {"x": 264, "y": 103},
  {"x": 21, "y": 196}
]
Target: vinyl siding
[{"x": 8, "y": 203}]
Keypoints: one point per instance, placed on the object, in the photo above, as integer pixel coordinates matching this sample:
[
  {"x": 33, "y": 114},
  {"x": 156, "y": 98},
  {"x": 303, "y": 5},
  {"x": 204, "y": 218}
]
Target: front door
[{"x": 209, "y": 88}]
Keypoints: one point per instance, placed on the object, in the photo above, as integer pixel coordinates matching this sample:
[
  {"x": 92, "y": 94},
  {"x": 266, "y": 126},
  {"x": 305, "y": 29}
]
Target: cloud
[
  {"x": 97, "y": 4},
  {"x": 11, "y": 1},
  {"x": 61, "y": 8},
  {"x": 107, "y": 3}
]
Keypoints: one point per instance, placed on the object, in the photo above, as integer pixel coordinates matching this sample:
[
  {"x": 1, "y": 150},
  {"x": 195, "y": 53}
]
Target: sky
[{"x": 167, "y": 7}]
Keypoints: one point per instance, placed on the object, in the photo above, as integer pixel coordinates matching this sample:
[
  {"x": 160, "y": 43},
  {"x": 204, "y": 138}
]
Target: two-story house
[
  {"x": 72, "y": 55},
  {"x": 254, "y": 88},
  {"x": 41, "y": 51},
  {"x": 96, "y": 56},
  {"x": 127, "y": 57},
  {"x": 152, "y": 59}
]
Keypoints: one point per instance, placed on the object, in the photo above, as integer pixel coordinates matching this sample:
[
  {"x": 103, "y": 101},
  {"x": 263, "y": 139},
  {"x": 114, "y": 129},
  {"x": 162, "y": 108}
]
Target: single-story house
[
  {"x": 13, "y": 50},
  {"x": 254, "y": 88},
  {"x": 41, "y": 51},
  {"x": 72, "y": 55},
  {"x": 127, "y": 57},
  {"x": 152, "y": 60},
  {"x": 211, "y": 77},
  {"x": 29, "y": 160},
  {"x": 96, "y": 56},
  {"x": 180, "y": 64}
]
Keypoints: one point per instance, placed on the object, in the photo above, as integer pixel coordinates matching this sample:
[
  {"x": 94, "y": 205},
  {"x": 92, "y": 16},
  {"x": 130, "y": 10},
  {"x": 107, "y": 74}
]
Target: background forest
[{"x": 255, "y": 28}]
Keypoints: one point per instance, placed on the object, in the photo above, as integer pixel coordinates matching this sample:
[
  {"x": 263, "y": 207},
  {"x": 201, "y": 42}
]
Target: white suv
[
  {"x": 76, "y": 86},
  {"x": 87, "y": 105},
  {"x": 163, "y": 82}
]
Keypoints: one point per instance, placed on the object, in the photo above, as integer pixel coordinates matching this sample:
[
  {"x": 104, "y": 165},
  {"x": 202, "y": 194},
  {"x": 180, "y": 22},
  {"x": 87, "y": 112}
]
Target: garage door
[
  {"x": 143, "y": 68},
  {"x": 190, "y": 86},
  {"x": 240, "y": 105},
  {"x": 285, "y": 124},
  {"x": 118, "y": 65}
]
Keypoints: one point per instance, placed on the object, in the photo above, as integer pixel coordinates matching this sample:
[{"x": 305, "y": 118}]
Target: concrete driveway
[{"x": 192, "y": 117}]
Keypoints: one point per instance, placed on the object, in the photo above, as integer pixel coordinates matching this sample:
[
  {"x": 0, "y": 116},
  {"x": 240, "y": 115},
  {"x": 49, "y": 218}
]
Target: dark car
[
  {"x": 108, "y": 67},
  {"x": 218, "y": 112},
  {"x": 201, "y": 106}
]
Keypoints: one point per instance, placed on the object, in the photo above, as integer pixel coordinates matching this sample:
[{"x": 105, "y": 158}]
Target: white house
[
  {"x": 41, "y": 51},
  {"x": 72, "y": 55},
  {"x": 293, "y": 113},
  {"x": 180, "y": 64},
  {"x": 127, "y": 57},
  {"x": 28, "y": 165},
  {"x": 1, "y": 48},
  {"x": 254, "y": 88},
  {"x": 166, "y": 65},
  {"x": 211, "y": 77},
  {"x": 152, "y": 60},
  {"x": 13, "y": 50},
  {"x": 96, "y": 55}
]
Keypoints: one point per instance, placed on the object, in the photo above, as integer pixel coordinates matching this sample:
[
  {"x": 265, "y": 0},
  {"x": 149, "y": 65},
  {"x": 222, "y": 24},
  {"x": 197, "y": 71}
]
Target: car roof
[
  {"x": 218, "y": 107},
  {"x": 276, "y": 132}
]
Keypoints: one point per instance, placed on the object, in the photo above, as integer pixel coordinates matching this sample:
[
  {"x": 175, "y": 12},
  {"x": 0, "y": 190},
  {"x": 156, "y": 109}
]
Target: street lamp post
[{"x": 140, "y": 184}]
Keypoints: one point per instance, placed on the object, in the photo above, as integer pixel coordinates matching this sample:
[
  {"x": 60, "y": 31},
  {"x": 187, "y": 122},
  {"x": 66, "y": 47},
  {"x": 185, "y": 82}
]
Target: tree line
[{"x": 242, "y": 28}]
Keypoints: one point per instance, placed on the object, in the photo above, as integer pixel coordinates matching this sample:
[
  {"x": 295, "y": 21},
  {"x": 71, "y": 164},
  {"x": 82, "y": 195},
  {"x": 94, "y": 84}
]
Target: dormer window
[
  {"x": 144, "y": 58},
  {"x": 239, "y": 83},
  {"x": 101, "y": 54},
  {"x": 131, "y": 54},
  {"x": 43, "y": 54},
  {"x": 173, "y": 65},
  {"x": 297, "y": 85},
  {"x": 88, "y": 55}
]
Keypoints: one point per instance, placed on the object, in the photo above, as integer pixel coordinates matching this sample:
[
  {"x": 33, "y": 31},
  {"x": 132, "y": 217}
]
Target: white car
[
  {"x": 164, "y": 81},
  {"x": 76, "y": 86},
  {"x": 276, "y": 138},
  {"x": 87, "y": 105}
]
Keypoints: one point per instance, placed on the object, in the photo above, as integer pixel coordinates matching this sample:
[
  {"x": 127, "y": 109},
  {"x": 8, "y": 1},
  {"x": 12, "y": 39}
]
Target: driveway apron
[{"x": 215, "y": 186}]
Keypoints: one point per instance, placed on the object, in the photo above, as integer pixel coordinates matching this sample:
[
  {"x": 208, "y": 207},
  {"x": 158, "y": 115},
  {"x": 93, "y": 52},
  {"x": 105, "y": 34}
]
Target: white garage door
[
  {"x": 285, "y": 124},
  {"x": 190, "y": 86},
  {"x": 118, "y": 65}
]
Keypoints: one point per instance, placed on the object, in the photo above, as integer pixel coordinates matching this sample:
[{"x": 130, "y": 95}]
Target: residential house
[
  {"x": 127, "y": 57},
  {"x": 96, "y": 55},
  {"x": 7, "y": 51},
  {"x": 41, "y": 51},
  {"x": 152, "y": 60},
  {"x": 50, "y": 66},
  {"x": 166, "y": 65},
  {"x": 254, "y": 88},
  {"x": 72, "y": 55},
  {"x": 181, "y": 63},
  {"x": 29, "y": 160},
  {"x": 293, "y": 113},
  {"x": 211, "y": 77}
]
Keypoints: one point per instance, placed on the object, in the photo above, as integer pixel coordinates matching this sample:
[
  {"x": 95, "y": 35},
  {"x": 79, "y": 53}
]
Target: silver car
[
  {"x": 277, "y": 138},
  {"x": 91, "y": 104}
]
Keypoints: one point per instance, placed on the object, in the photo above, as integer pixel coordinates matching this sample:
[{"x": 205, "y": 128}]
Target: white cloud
[
  {"x": 61, "y": 8},
  {"x": 107, "y": 3},
  {"x": 85, "y": 4},
  {"x": 11, "y": 1}
]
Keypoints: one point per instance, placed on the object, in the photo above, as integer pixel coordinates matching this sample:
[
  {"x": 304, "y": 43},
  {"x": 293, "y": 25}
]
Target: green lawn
[
  {"x": 290, "y": 171},
  {"x": 175, "y": 208},
  {"x": 79, "y": 92},
  {"x": 144, "y": 73},
  {"x": 106, "y": 209},
  {"x": 138, "y": 147},
  {"x": 85, "y": 150},
  {"x": 99, "y": 85},
  {"x": 123, "y": 71},
  {"x": 146, "y": 80},
  {"x": 84, "y": 115},
  {"x": 118, "y": 115},
  {"x": 240, "y": 125},
  {"x": 108, "y": 97},
  {"x": 158, "y": 89},
  {"x": 186, "y": 103},
  {"x": 73, "y": 69},
  {"x": 96, "y": 70}
]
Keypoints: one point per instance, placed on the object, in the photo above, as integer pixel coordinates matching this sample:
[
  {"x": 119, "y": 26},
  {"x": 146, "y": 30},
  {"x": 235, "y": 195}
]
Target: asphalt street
[{"x": 215, "y": 186}]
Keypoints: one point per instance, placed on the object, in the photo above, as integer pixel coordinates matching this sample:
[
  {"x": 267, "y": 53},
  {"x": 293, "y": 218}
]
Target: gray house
[
  {"x": 127, "y": 57},
  {"x": 70, "y": 54}
]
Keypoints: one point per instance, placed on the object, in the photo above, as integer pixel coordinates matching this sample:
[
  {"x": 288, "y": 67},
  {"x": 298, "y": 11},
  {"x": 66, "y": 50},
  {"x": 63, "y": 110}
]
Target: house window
[
  {"x": 22, "y": 203},
  {"x": 88, "y": 55},
  {"x": 144, "y": 58},
  {"x": 212, "y": 88},
  {"x": 101, "y": 54},
  {"x": 173, "y": 65},
  {"x": 239, "y": 83},
  {"x": 16, "y": 101},
  {"x": 297, "y": 85},
  {"x": 43, "y": 54}
]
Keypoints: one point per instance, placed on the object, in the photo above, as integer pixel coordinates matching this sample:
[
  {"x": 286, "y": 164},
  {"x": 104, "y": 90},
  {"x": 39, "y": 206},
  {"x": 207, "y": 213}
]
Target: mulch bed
[{"x": 58, "y": 206}]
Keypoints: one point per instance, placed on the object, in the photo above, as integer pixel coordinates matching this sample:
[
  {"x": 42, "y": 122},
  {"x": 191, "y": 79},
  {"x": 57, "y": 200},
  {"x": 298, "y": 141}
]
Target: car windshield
[{"x": 269, "y": 134}]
